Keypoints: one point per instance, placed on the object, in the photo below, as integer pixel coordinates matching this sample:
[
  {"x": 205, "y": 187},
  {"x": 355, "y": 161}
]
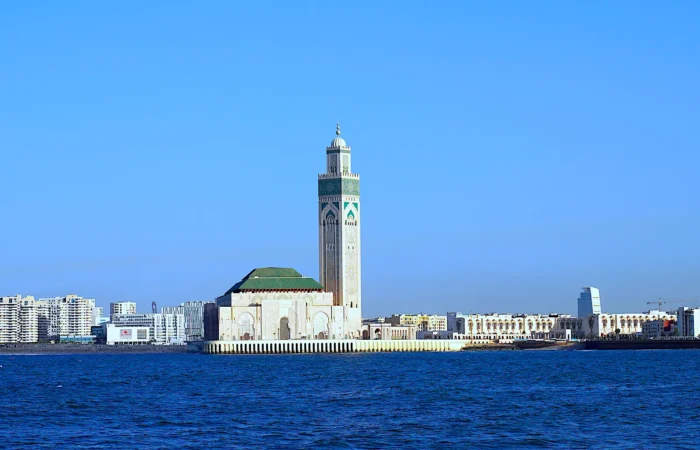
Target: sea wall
[
  {"x": 644, "y": 344},
  {"x": 330, "y": 346},
  {"x": 66, "y": 349}
]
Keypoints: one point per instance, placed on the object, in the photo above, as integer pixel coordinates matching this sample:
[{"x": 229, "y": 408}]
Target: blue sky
[{"x": 510, "y": 152}]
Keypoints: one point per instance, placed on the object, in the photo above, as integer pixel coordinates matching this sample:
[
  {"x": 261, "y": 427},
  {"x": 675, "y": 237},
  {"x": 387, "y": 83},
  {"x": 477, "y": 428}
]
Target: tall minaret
[{"x": 339, "y": 230}]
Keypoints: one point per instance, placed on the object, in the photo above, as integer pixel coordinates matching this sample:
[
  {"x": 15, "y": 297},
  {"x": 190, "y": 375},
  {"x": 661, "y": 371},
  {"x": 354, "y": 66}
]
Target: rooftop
[{"x": 275, "y": 279}]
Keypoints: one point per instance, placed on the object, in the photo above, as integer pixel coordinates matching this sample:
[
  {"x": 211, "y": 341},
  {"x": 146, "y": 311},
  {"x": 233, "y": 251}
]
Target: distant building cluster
[
  {"x": 25, "y": 319},
  {"x": 77, "y": 319},
  {"x": 591, "y": 322}
]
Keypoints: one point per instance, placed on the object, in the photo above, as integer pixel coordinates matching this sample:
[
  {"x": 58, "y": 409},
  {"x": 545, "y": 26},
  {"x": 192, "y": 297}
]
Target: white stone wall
[{"x": 307, "y": 315}]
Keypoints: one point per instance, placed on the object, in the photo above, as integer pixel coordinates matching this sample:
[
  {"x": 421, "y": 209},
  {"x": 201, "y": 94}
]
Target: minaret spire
[{"x": 337, "y": 129}]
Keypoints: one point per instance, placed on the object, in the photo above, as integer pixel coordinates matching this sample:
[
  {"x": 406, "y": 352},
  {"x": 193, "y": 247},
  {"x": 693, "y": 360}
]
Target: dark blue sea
[{"x": 526, "y": 399}]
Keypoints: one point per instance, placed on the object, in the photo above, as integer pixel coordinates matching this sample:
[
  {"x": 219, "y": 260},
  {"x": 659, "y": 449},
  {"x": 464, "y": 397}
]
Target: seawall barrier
[{"x": 329, "y": 346}]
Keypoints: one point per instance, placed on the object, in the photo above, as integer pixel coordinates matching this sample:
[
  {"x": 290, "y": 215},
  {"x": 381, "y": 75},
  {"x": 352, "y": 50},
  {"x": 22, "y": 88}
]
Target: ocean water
[{"x": 527, "y": 399}]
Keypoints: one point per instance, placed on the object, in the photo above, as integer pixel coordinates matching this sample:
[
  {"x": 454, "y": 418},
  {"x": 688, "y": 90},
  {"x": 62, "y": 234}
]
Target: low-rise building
[
  {"x": 658, "y": 328},
  {"x": 123, "y": 335},
  {"x": 164, "y": 329},
  {"x": 424, "y": 322},
  {"x": 385, "y": 331},
  {"x": 608, "y": 325},
  {"x": 506, "y": 327}
]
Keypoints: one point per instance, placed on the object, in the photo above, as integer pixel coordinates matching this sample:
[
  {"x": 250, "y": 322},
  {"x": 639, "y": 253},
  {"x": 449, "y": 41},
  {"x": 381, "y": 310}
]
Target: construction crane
[{"x": 660, "y": 302}]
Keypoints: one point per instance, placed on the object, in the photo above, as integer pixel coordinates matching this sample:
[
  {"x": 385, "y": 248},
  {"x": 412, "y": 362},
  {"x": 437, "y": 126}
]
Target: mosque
[{"x": 279, "y": 303}]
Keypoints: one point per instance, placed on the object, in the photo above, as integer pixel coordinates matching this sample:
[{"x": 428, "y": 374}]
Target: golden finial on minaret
[{"x": 337, "y": 129}]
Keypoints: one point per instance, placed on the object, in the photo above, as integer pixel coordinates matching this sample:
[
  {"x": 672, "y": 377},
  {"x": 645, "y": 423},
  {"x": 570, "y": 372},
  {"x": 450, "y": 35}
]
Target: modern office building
[
  {"x": 122, "y": 308},
  {"x": 194, "y": 318},
  {"x": 589, "y": 302},
  {"x": 163, "y": 329},
  {"x": 688, "y": 322}
]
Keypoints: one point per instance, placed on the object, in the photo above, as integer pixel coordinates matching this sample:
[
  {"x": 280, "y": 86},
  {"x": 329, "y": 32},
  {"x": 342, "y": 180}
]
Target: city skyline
[{"x": 487, "y": 187}]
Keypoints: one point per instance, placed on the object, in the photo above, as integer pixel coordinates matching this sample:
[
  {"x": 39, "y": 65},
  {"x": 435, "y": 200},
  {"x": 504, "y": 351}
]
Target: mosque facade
[{"x": 275, "y": 303}]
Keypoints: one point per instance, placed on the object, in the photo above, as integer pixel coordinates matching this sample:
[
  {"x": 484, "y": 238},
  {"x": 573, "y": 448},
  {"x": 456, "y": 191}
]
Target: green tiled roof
[{"x": 275, "y": 279}]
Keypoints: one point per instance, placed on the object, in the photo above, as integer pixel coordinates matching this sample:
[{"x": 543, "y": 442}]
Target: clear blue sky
[{"x": 510, "y": 152}]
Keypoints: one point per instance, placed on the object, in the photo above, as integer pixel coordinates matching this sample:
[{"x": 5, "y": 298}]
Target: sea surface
[{"x": 506, "y": 399}]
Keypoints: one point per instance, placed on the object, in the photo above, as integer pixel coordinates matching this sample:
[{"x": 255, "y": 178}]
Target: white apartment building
[
  {"x": 688, "y": 322},
  {"x": 9, "y": 319},
  {"x": 163, "y": 329},
  {"x": 28, "y": 320},
  {"x": 194, "y": 318},
  {"x": 69, "y": 317},
  {"x": 122, "y": 308},
  {"x": 18, "y": 319},
  {"x": 79, "y": 315}
]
